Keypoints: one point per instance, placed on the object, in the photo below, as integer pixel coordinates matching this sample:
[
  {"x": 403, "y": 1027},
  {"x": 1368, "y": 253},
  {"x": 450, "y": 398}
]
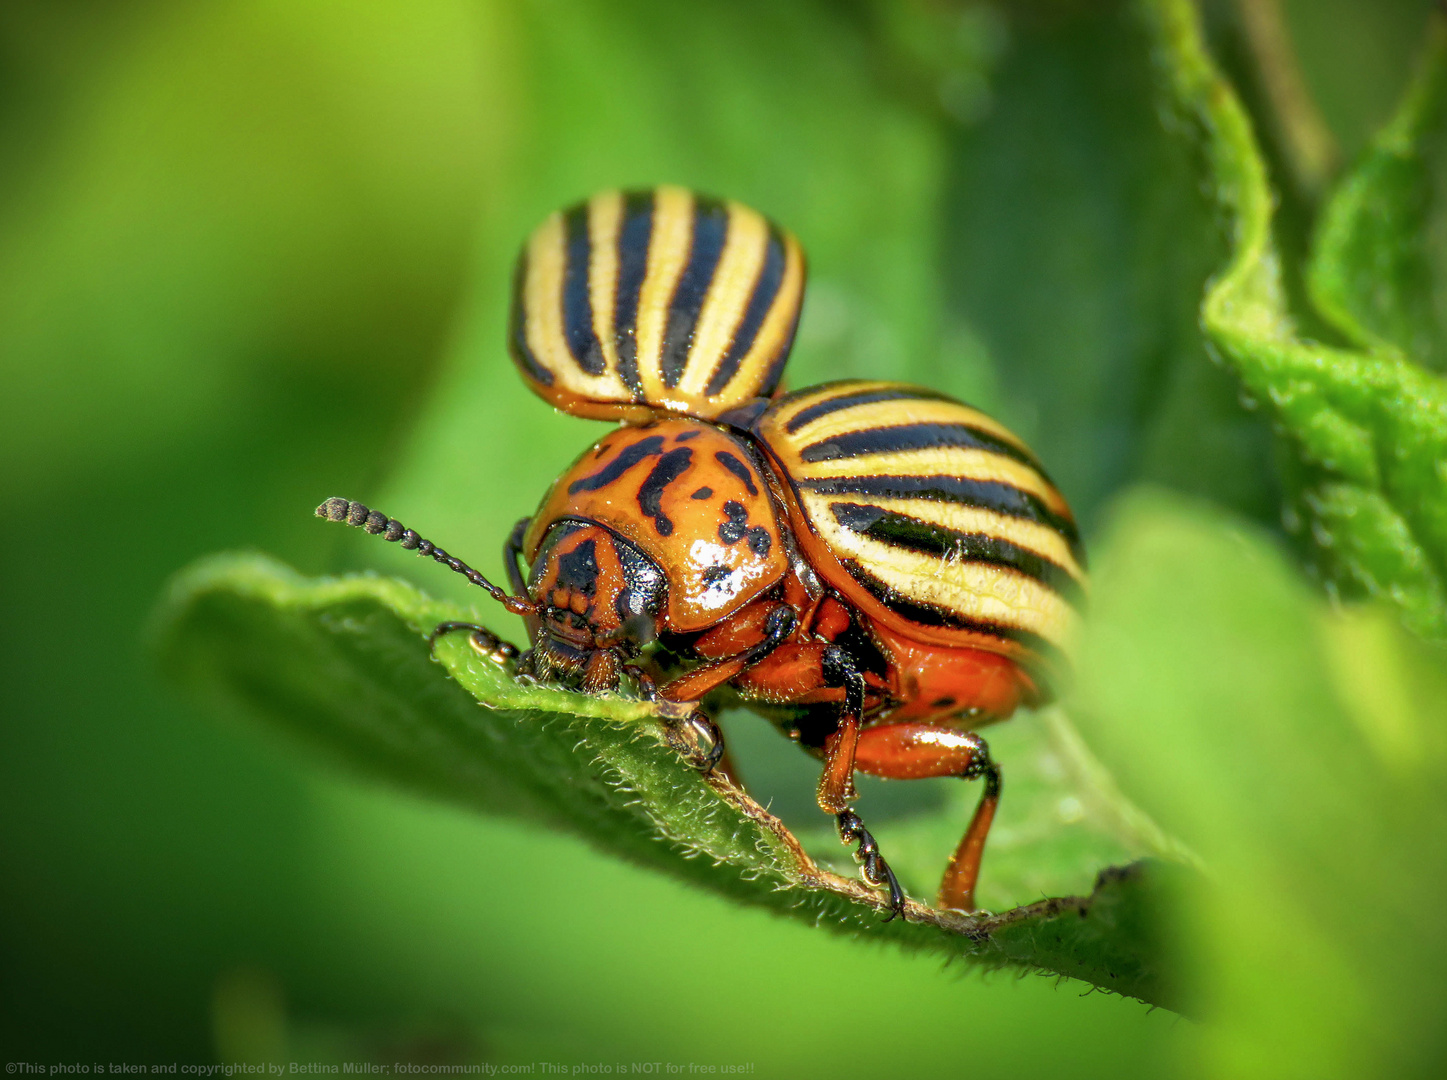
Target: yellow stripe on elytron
[
  {"x": 808, "y": 399},
  {"x": 972, "y": 590},
  {"x": 668, "y": 251},
  {"x": 605, "y": 218},
  {"x": 542, "y": 298},
  {"x": 543, "y": 309},
  {"x": 1029, "y": 535},
  {"x": 745, "y": 244},
  {"x": 906, "y": 411},
  {"x": 778, "y": 323},
  {"x": 962, "y": 462}
]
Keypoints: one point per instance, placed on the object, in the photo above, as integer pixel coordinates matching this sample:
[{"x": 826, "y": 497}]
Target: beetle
[
  {"x": 641, "y": 302},
  {"x": 878, "y": 568}
]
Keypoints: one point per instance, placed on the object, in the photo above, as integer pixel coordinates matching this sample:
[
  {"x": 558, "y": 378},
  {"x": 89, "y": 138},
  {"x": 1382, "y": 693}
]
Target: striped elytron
[
  {"x": 876, "y": 567},
  {"x": 930, "y": 515},
  {"x": 634, "y": 302}
]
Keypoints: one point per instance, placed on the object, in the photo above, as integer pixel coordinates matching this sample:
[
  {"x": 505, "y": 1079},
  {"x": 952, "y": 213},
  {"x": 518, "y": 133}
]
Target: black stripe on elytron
[
  {"x": 710, "y": 228},
  {"x": 900, "y": 530},
  {"x": 738, "y": 468},
  {"x": 848, "y": 401},
  {"x": 776, "y": 369},
  {"x": 986, "y": 494},
  {"x": 631, "y": 456},
  {"x": 633, "y": 237},
  {"x": 926, "y": 436},
  {"x": 670, "y": 467},
  {"x": 578, "y": 327},
  {"x": 766, "y": 290},
  {"x": 930, "y": 615},
  {"x": 517, "y": 330}
]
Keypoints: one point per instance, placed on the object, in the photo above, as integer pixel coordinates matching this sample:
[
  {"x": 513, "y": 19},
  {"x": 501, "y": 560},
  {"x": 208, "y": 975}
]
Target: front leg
[
  {"x": 759, "y": 631},
  {"x": 696, "y": 737},
  {"x": 732, "y": 648},
  {"x": 482, "y": 639}
]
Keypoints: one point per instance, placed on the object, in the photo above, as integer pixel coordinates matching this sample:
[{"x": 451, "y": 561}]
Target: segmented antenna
[{"x": 393, "y": 531}]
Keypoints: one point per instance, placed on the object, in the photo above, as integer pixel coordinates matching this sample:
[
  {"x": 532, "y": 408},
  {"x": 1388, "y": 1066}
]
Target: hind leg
[{"x": 912, "y": 751}]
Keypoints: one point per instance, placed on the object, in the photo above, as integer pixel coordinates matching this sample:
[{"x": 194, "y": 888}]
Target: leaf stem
[{"x": 1310, "y": 148}]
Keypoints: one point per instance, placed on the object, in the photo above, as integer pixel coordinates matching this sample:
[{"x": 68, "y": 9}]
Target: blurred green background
[{"x": 256, "y": 254}]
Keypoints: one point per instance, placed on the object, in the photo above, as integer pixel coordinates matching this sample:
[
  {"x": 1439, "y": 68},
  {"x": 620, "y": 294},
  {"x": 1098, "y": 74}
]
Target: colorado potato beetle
[
  {"x": 635, "y": 303},
  {"x": 876, "y": 567}
]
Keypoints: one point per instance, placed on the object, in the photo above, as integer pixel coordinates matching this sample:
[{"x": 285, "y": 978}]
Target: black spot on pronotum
[
  {"x": 578, "y": 569},
  {"x": 738, "y": 468},
  {"x": 943, "y": 703},
  {"x": 732, "y": 530},
  {"x": 737, "y": 528},
  {"x": 702, "y": 493},
  {"x": 670, "y": 467},
  {"x": 689, "y": 435},
  {"x": 631, "y": 456},
  {"x": 714, "y": 576}
]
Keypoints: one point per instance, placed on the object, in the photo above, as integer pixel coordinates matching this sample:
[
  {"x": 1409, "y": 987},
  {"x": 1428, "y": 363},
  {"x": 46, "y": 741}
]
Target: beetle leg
[
  {"x": 699, "y": 742},
  {"x": 511, "y": 551},
  {"x": 836, "y": 783},
  {"x": 695, "y": 737},
  {"x": 693, "y": 685},
  {"x": 647, "y": 688},
  {"x": 482, "y": 639},
  {"x": 911, "y": 751},
  {"x": 876, "y": 870},
  {"x": 696, "y": 730},
  {"x": 601, "y": 673}
]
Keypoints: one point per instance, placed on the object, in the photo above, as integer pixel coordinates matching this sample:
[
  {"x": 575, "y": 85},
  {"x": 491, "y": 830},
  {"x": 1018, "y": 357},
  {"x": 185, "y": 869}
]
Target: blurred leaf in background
[
  {"x": 1301, "y": 751},
  {"x": 236, "y": 242}
]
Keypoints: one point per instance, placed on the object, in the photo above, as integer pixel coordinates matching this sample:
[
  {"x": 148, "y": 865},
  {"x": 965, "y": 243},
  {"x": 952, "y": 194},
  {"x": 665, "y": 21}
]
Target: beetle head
[{"x": 598, "y": 600}]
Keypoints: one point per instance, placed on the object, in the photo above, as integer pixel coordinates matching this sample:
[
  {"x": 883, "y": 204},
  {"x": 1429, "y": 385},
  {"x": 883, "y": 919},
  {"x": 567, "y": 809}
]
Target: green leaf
[
  {"x": 345, "y": 664},
  {"x": 1303, "y": 752},
  {"x": 1371, "y": 276},
  {"x": 1367, "y": 428},
  {"x": 1078, "y": 245}
]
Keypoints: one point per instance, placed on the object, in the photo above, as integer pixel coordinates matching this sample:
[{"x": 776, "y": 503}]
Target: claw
[
  {"x": 876, "y": 870},
  {"x": 698, "y": 740},
  {"x": 482, "y": 639}
]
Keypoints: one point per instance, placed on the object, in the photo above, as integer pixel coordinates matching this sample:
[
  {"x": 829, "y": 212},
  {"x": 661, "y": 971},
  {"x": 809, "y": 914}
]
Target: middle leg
[{"x": 836, "y": 783}]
